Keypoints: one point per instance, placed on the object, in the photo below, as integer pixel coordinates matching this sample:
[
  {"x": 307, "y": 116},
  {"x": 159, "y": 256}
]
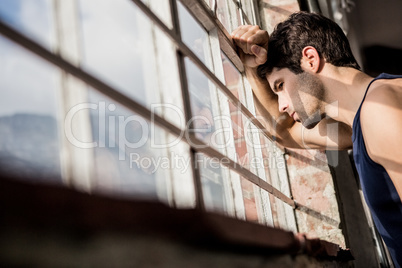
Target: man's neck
[{"x": 345, "y": 88}]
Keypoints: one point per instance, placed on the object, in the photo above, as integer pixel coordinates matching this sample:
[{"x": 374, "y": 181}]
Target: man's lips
[{"x": 293, "y": 115}]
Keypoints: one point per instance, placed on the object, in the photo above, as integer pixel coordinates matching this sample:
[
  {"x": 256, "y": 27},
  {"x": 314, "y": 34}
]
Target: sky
[
  {"x": 113, "y": 48},
  {"x": 27, "y": 83},
  {"x": 113, "y": 45},
  {"x": 116, "y": 43},
  {"x": 33, "y": 18}
]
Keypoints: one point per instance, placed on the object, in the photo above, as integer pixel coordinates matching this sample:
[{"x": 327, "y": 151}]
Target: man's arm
[
  {"x": 252, "y": 45},
  {"x": 381, "y": 121}
]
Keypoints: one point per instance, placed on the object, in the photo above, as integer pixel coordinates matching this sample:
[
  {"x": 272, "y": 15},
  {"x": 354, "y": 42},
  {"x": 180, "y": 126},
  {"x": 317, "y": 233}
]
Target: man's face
[{"x": 301, "y": 96}]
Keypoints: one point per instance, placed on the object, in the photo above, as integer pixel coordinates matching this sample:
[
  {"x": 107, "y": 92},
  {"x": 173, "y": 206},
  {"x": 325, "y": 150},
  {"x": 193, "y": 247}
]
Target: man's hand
[{"x": 252, "y": 43}]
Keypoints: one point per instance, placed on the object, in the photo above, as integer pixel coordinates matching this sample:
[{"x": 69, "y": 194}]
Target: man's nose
[{"x": 283, "y": 104}]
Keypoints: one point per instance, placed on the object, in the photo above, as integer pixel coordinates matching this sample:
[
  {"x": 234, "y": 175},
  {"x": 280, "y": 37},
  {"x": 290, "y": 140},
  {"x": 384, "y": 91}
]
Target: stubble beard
[
  {"x": 313, "y": 120},
  {"x": 311, "y": 111}
]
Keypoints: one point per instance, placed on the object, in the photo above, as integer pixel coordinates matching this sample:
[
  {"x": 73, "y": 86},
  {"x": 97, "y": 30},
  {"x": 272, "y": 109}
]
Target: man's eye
[{"x": 280, "y": 86}]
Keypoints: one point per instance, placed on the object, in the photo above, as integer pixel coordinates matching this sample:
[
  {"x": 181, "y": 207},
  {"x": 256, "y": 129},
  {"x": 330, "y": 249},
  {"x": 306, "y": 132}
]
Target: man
[{"x": 306, "y": 77}]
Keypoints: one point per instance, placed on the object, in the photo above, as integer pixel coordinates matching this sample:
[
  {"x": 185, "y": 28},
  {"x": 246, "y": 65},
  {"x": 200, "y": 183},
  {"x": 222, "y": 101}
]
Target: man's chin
[
  {"x": 310, "y": 125},
  {"x": 313, "y": 120}
]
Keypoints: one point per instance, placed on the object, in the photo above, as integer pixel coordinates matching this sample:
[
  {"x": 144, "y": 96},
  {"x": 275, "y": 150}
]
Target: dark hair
[{"x": 303, "y": 29}]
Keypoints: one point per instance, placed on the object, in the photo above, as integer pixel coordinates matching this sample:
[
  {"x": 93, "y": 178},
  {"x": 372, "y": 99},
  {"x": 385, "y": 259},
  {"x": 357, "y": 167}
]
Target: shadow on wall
[{"x": 380, "y": 59}]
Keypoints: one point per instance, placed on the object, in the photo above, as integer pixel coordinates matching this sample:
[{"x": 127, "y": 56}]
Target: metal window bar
[
  {"x": 199, "y": 198},
  {"x": 219, "y": 103},
  {"x": 242, "y": 13},
  {"x": 207, "y": 19},
  {"x": 138, "y": 108}
]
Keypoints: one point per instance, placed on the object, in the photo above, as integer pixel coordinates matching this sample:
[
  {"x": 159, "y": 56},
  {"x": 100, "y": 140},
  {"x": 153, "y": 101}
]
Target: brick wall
[{"x": 313, "y": 188}]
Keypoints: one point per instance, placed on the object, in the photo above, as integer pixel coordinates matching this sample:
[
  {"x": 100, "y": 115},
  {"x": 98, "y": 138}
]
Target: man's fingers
[
  {"x": 239, "y": 32},
  {"x": 260, "y": 54},
  {"x": 258, "y": 57},
  {"x": 252, "y": 42},
  {"x": 240, "y": 36},
  {"x": 236, "y": 31},
  {"x": 248, "y": 35}
]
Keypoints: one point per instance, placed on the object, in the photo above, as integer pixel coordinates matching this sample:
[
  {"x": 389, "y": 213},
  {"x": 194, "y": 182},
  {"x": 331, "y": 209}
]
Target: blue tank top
[{"x": 379, "y": 191}]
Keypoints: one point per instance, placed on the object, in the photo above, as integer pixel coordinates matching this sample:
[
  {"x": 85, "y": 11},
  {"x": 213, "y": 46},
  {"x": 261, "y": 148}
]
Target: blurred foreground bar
[{"x": 46, "y": 225}]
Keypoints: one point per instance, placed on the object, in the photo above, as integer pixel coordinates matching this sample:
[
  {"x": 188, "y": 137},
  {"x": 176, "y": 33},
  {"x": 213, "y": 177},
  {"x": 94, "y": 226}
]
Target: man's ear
[{"x": 310, "y": 59}]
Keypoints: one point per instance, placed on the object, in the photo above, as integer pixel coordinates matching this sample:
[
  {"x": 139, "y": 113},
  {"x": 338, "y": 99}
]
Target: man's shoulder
[
  {"x": 381, "y": 115},
  {"x": 383, "y": 95},
  {"x": 383, "y": 103}
]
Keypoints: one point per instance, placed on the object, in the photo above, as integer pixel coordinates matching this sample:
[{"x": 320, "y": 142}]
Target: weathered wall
[
  {"x": 274, "y": 11},
  {"x": 313, "y": 189}
]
